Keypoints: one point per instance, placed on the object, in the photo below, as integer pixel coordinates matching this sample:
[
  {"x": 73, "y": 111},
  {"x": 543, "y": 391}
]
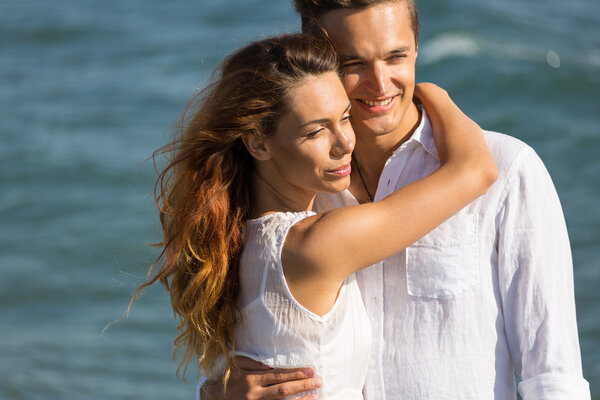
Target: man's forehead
[
  {"x": 381, "y": 29},
  {"x": 381, "y": 8}
]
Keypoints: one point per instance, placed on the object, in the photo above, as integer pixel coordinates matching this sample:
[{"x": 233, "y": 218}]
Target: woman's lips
[{"x": 341, "y": 171}]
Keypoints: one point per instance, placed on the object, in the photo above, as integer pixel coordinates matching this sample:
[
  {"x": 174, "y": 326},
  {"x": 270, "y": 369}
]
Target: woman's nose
[{"x": 344, "y": 141}]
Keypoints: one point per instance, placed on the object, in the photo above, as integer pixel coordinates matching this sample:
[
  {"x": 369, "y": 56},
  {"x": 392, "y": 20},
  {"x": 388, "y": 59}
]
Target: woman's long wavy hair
[{"x": 204, "y": 194}]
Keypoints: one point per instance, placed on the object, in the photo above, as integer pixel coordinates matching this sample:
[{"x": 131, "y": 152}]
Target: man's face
[{"x": 378, "y": 52}]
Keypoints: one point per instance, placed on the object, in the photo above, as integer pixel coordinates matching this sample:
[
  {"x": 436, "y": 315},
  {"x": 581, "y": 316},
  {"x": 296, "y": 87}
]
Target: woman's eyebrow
[{"x": 323, "y": 120}]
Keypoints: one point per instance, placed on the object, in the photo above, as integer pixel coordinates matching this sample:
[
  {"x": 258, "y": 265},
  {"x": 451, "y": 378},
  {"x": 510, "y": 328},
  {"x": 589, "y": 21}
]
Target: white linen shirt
[{"x": 487, "y": 294}]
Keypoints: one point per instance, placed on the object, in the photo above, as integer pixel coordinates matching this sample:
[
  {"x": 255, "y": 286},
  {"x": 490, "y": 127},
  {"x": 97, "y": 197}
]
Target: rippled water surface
[{"x": 90, "y": 88}]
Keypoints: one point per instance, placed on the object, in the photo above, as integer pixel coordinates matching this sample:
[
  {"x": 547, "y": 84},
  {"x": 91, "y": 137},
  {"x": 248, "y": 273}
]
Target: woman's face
[{"x": 311, "y": 148}]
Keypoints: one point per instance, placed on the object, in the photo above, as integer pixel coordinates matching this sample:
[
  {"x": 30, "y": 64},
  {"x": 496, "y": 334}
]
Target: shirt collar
[{"x": 422, "y": 136}]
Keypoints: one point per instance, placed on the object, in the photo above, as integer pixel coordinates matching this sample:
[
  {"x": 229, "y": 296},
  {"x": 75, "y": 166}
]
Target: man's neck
[{"x": 372, "y": 152}]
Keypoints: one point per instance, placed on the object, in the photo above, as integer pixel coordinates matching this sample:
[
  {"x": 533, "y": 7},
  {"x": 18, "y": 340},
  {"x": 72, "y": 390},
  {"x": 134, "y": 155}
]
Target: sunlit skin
[
  {"x": 311, "y": 149},
  {"x": 378, "y": 49},
  {"x": 321, "y": 250},
  {"x": 378, "y": 52}
]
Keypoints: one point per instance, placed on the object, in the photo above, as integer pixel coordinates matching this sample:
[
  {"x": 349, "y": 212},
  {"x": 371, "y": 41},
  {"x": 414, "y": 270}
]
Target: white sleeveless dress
[{"x": 276, "y": 330}]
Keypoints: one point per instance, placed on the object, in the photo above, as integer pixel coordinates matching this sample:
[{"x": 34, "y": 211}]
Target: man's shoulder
[
  {"x": 508, "y": 151},
  {"x": 516, "y": 162},
  {"x": 505, "y": 145}
]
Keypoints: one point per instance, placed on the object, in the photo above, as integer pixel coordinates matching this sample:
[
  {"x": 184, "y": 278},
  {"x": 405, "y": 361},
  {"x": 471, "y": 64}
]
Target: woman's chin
[{"x": 339, "y": 185}]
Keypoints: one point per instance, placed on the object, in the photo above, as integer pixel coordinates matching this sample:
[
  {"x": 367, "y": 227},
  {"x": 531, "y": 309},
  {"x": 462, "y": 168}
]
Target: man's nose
[{"x": 379, "y": 80}]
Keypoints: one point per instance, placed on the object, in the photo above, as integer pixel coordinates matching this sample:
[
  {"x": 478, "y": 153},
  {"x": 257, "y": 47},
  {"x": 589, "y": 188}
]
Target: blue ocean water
[{"x": 90, "y": 88}]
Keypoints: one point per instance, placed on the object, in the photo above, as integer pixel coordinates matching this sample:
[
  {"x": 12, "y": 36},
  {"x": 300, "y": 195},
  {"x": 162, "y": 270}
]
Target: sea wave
[{"x": 448, "y": 45}]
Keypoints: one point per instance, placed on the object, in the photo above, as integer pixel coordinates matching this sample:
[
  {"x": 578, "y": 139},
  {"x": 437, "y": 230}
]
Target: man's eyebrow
[
  {"x": 321, "y": 121},
  {"x": 402, "y": 49},
  {"x": 399, "y": 50},
  {"x": 348, "y": 57}
]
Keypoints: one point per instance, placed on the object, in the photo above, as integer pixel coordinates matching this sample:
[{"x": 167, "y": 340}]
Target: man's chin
[{"x": 374, "y": 130}]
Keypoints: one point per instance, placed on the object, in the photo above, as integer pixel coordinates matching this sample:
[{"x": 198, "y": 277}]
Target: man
[{"x": 486, "y": 295}]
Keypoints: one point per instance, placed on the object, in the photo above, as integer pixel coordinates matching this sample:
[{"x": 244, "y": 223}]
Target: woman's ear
[{"x": 256, "y": 147}]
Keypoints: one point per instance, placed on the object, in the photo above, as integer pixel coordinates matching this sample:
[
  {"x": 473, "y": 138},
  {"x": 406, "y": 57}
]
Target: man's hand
[{"x": 255, "y": 381}]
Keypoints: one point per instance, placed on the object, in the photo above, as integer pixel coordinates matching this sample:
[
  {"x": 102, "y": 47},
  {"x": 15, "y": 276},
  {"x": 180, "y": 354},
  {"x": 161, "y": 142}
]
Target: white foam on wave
[
  {"x": 464, "y": 45},
  {"x": 592, "y": 58},
  {"x": 448, "y": 45}
]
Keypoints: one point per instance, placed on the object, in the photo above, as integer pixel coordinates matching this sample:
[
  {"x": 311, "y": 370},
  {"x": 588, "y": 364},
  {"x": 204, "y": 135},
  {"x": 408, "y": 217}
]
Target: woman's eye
[
  {"x": 313, "y": 133},
  {"x": 347, "y": 118}
]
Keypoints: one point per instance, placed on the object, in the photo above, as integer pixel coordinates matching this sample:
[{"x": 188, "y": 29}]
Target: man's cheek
[{"x": 350, "y": 81}]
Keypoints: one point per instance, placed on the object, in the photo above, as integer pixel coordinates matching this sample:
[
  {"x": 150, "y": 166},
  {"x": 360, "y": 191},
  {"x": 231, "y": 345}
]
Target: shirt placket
[
  {"x": 374, "y": 293},
  {"x": 394, "y": 166}
]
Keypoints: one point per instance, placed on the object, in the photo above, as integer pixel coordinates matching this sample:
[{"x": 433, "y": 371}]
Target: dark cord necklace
[{"x": 362, "y": 179}]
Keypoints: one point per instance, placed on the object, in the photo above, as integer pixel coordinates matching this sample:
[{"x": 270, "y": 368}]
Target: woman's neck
[{"x": 268, "y": 197}]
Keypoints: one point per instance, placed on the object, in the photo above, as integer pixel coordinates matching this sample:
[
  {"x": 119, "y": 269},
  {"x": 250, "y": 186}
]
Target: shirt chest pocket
[{"x": 445, "y": 262}]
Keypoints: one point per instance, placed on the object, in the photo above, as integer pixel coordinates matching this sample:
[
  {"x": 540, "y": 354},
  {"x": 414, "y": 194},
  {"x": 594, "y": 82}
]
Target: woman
[{"x": 250, "y": 268}]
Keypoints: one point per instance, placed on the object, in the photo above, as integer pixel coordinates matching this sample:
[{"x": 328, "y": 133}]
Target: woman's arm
[{"x": 320, "y": 251}]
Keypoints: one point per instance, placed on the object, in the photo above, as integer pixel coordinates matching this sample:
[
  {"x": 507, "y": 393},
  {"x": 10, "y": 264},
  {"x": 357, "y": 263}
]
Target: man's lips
[{"x": 377, "y": 105}]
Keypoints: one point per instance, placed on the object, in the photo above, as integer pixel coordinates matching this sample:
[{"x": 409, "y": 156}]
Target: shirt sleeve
[{"x": 535, "y": 273}]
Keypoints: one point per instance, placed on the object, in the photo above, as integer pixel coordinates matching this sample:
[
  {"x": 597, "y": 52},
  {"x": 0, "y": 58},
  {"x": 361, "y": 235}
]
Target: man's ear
[{"x": 256, "y": 147}]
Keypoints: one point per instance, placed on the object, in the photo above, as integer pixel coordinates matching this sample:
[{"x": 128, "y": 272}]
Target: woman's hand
[{"x": 458, "y": 139}]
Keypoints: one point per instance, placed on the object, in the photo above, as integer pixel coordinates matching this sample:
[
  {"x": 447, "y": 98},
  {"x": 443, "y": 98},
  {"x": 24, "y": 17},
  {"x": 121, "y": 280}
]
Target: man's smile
[{"x": 377, "y": 105}]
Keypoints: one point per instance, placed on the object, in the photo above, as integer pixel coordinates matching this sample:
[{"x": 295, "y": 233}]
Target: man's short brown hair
[{"x": 311, "y": 11}]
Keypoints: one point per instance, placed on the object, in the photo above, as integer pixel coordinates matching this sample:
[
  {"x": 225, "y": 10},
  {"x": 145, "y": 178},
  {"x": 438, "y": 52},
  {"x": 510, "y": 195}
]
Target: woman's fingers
[
  {"x": 291, "y": 387},
  {"x": 281, "y": 375}
]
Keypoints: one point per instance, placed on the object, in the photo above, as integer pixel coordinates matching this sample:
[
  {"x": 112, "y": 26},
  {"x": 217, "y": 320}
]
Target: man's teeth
[{"x": 378, "y": 103}]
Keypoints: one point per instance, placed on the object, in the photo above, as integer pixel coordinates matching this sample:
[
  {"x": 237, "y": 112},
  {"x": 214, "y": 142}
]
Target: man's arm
[
  {"x": 536, "y": 284},
  {"x": 253, "y": 381}
]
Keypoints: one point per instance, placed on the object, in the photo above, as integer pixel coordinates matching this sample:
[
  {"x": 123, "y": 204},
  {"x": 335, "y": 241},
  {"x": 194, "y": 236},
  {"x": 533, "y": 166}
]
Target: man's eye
[
  {"x": 347, "y": 118},
  {"x": 351, "y": 64},
  {"x": 397, "y": 57}
]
